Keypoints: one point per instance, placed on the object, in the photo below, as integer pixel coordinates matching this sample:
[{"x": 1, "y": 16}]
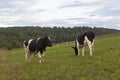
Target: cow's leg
[
  {"x": 78, "y": 50},
  {"x": 93, "y": 45},
  {"x": 43, "y": 54},
  {"x": 27, "y": 56},
  {"x": 90, "y": 47},
  {"x": 40, "y": 57},
  {"x": 77, "y": 45},
  {"x": 83, "y": 49}
]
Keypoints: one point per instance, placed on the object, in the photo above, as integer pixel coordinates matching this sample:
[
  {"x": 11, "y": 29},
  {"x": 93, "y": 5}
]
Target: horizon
[{"x": 60, "y": 27}]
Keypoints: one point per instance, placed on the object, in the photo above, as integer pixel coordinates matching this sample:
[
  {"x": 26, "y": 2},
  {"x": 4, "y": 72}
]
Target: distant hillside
[
  {"x": 108, "y": 35},
  {"x": 12, "y": 37}
]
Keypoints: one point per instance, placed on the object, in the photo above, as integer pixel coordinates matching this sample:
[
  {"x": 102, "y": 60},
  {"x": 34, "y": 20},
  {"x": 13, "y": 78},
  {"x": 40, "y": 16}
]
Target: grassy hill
[{"x": 62, "y": 64}]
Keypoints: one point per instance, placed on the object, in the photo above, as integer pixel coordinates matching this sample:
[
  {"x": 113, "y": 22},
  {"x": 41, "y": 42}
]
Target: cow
[
  {"x": 36, "y": 46},
  {"x": 82, "y": 40}
]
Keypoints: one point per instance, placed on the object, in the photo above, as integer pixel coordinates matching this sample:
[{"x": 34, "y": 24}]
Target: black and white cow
[
  {"x": 83, "y": 40},
  {"x": 36, "y": 46}
]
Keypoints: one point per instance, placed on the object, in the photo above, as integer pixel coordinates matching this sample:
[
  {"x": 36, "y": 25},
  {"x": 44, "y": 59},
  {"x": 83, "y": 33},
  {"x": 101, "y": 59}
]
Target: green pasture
[{"x": 62, "y": 64}]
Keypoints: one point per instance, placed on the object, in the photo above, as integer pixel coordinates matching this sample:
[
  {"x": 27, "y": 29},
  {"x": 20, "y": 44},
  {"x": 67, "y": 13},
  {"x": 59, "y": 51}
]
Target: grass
[{"x": 62, "y": 64}]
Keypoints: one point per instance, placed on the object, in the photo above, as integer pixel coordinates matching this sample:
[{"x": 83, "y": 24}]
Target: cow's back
[{"x": 81, "y": 38}]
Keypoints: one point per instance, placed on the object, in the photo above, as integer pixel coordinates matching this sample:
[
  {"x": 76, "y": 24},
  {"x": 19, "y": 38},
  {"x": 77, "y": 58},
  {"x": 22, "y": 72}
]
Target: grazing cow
[
  {"x": 83, "y": 40},
  {"x": 36, "y": 46}
]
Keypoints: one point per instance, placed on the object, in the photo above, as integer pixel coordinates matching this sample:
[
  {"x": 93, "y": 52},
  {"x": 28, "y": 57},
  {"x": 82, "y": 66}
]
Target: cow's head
[
  {"x": 48, "y": 42},
  {"x": 76, "y": 50}
]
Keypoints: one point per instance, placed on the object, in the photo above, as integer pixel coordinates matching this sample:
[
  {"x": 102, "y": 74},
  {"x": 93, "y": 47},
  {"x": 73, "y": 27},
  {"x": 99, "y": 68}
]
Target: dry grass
[{"x": 10, "y": 70}]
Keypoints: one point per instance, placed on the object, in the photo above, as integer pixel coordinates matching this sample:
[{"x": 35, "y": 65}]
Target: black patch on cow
[
  {"x": 81, "y": 39},
  {"x": 32, "y": 45}
]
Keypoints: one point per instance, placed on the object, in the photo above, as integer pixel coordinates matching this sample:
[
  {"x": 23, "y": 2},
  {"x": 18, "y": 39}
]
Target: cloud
[
  {"x": 60, "y": 12},
  {"x": 80, "y": 3}
]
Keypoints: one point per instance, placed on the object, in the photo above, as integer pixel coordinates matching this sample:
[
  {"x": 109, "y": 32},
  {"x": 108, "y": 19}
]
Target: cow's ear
[{"x": 48, "y": 37}]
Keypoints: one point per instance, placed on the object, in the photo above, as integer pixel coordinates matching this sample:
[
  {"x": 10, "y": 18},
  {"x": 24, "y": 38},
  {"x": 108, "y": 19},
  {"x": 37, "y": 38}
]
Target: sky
[{"x": 68, "y": 13}]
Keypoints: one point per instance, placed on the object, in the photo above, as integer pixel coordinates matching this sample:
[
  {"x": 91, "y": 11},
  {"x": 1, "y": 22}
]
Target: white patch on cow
[
  {"x": 29, "y": 41},
  {"x": 29, "y": 44},
  {"x": 38, "y": 38},
  {"x": 89, "y": 44},
  {"x": 85, "y": 41}
]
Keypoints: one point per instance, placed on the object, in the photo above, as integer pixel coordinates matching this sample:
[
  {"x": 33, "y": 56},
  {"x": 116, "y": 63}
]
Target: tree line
[{"x": 13, "y": 37}]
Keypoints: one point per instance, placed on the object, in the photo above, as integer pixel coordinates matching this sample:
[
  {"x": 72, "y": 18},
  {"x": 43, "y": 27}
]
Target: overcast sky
[{"x": 101, "y": 13}]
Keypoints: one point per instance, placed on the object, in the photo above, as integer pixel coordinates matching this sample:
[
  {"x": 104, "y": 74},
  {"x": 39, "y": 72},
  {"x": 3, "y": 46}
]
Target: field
[{"x": 62, "y": 64}]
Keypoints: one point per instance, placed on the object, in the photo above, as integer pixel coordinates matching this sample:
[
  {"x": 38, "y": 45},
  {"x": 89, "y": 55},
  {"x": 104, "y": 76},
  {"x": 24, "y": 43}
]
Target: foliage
[{"x": 13, "y": 37}]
